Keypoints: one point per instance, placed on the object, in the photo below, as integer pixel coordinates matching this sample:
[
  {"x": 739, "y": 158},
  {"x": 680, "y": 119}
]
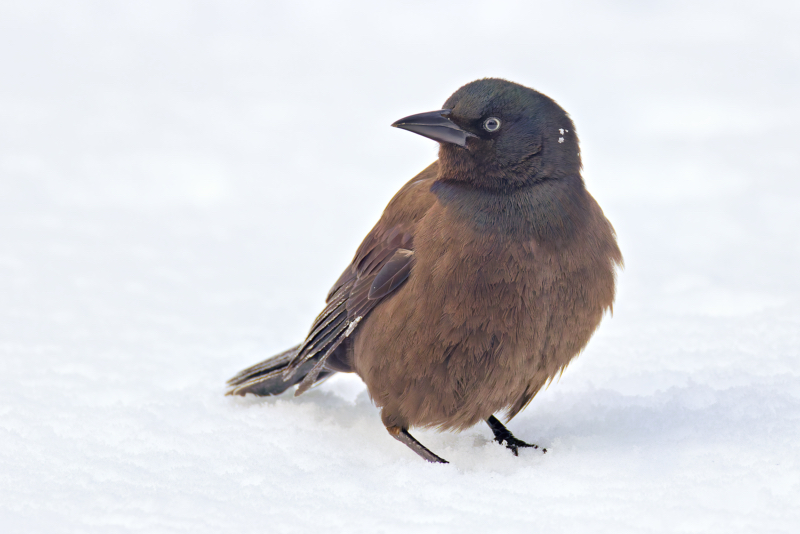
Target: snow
[{"x": 181, "y": 182}]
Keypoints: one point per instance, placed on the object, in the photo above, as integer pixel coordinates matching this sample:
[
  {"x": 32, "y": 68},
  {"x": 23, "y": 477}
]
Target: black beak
[{"x": 435, "y": 125}]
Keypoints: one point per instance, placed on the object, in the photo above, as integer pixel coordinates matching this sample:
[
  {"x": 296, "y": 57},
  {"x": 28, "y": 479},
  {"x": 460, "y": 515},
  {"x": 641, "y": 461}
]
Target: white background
[{"x": 181, "y": 182}]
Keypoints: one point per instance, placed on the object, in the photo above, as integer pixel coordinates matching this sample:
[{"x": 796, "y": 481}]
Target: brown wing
[{"x": 382, "y": 263}]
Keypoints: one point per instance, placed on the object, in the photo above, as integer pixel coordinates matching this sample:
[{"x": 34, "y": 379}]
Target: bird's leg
[
  {"x": 402, "y": 435},
  {"x": 503, "y": 435}
]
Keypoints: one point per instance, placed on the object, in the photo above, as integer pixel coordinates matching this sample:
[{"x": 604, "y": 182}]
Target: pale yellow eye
[{"x": 492, "y": 124}]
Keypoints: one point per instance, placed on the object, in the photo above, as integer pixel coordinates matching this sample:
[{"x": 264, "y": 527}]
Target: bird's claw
[
  {"x": 513, "y": 444},
  {"x": 503, "y": 436}
]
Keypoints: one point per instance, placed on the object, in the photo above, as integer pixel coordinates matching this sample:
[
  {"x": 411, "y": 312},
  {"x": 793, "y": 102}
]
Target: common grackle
[{"x": 486, "y": 274}]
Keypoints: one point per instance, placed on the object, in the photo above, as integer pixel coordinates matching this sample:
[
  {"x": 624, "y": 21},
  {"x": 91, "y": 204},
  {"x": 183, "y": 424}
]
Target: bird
[{"x": 487, "y": 273}]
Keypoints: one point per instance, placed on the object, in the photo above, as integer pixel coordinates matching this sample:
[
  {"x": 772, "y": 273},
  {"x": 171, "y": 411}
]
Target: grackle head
[{"x": 499, "y": 135}]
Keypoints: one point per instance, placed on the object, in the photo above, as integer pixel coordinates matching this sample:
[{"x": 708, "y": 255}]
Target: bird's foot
[
  {"x": 402, "y": 435},
  {"x": 504, "y": 436}
]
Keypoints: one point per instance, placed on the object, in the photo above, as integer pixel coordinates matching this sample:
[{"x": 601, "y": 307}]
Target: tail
[{"x": 267, "y": 377}]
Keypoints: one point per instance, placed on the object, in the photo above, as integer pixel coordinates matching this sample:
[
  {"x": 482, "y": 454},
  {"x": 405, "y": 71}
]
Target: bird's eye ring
[{"x": 492, "y": 124}]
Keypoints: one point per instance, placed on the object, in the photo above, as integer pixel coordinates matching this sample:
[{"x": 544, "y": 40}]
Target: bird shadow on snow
[
  {"x": 586, "y": 422},
  {"x": 694, "y": 415}
]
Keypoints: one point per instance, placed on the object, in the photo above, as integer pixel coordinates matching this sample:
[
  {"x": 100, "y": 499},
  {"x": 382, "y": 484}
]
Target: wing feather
[{"x": 382, "y": 263}]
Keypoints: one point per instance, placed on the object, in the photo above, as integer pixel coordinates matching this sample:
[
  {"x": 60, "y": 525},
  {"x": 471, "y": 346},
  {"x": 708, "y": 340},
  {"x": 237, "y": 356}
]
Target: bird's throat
[{"x": 550, "y": 211}]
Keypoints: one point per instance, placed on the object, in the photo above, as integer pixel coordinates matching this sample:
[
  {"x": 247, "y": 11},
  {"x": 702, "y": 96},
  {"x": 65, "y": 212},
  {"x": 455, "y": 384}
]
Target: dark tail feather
[{"x": 267, "y": 377}]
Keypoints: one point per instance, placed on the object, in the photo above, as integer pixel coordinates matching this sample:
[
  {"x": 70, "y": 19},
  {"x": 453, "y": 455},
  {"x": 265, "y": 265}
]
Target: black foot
[
  {"x": 504, "y": 436},
  {"x": 402, "y": 435}
]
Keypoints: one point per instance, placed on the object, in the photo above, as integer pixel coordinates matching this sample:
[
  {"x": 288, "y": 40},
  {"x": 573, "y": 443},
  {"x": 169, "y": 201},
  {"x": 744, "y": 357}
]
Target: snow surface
[{"x": 181, "y": 182}]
